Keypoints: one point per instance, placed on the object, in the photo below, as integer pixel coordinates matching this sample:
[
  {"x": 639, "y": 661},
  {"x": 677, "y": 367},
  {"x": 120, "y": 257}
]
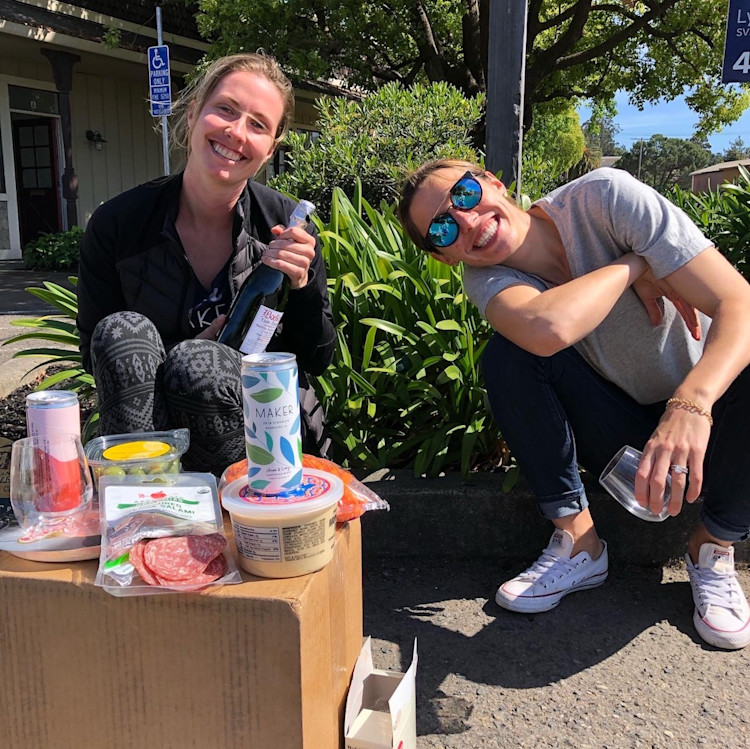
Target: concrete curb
[{"x": 450, "y": 517}]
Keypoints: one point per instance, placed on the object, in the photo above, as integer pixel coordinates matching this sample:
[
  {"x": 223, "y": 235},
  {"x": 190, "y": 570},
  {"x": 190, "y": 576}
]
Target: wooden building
[
  {"x": 709, "y": 178},
  {"x": 75, "y": 122}
]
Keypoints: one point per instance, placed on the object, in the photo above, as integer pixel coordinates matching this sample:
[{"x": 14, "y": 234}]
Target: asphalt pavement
[
  {"x": 619, "y": 666},
  {"x": 16, "y": 303}
]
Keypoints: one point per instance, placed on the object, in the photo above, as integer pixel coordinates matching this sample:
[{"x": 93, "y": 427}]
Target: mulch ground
[{"x": 13, "y": 409}]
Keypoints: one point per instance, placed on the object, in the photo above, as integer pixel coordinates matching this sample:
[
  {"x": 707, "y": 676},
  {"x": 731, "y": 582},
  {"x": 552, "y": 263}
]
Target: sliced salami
[
  {"x": 180, "y": 558},
  {"x": 215, "y": 569},
  {"x": 137, "y": 560}
]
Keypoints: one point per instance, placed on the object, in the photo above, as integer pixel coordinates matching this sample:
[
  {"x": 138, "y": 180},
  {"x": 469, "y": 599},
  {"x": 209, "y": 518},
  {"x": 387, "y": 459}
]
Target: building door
[{"x": 35, "y": 154}]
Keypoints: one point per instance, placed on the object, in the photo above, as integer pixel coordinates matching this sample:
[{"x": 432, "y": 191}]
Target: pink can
[{"x": 50, "y": 413}]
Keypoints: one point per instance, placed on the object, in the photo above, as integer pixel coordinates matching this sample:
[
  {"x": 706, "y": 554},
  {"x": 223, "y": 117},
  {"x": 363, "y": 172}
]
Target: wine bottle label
[{"x": 261, "y": 330}]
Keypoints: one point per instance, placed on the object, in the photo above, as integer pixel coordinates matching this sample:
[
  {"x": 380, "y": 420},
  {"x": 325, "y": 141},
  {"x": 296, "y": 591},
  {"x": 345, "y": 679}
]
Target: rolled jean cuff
[
  {"x": 721, "y": 529},
  {"x": 561, "y": 505}
]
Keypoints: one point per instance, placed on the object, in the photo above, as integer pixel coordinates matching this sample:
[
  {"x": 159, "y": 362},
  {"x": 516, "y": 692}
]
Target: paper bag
[{"x": 381, "y": 710}]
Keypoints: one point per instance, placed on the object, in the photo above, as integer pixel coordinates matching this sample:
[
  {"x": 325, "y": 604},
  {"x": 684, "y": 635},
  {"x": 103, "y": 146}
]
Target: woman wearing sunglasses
[{"x": 617, "y": 323}]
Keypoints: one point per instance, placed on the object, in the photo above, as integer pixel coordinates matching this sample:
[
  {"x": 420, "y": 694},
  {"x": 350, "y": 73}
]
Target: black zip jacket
[{"x": 132, "y": 259}]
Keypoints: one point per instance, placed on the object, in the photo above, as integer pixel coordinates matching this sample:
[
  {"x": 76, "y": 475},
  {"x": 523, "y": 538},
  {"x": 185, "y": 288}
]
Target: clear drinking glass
[
  {"x": 618, "y": 478},
  {"x": 49, "y": 479}
]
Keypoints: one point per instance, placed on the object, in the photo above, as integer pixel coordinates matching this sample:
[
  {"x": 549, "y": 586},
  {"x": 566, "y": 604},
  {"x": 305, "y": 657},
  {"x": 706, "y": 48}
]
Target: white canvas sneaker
[
  {"x": 722, "y": 616},
  {"x": 542, "y": 586}
]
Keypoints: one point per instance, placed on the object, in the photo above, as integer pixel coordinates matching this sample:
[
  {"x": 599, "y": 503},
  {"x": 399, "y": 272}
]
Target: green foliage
[
  {"x": 376, "y": 140},
  {"x": 58, "y": 330},
  {"x": 404, "y": 388},
  {"x": 551, "y": 147},
  {"x": 723, "y": 214},
  {"x": 54, "y": 251},
  {"x": 600, "y": 132},
  {"x": 540, "y": 176},
  {"x": 737, "y": 151},
  {"x": 112, "y": 37},
  {"x": 555, "y": 134},
  {"x": 585, "y": 49},
  {"x": 665, "y": 162}
]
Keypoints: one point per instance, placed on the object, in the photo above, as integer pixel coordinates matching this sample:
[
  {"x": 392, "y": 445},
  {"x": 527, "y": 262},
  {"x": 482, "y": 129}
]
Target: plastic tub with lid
[
  {"x": 137, "y": 454},
  {"x": 284, "y": 535}
]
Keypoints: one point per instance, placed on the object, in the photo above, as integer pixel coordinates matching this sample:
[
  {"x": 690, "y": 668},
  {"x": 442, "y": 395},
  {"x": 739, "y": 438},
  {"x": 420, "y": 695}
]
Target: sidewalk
[
  {"x": 619, "y": 666},
  {"x": 16, "y": 303}
]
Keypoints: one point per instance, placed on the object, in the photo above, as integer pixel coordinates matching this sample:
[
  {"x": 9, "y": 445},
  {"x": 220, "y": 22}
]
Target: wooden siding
[{"x": 118, "y": 109}]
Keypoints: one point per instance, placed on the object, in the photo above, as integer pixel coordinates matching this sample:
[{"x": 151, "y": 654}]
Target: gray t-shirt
[{"x": 601, "y": 216}]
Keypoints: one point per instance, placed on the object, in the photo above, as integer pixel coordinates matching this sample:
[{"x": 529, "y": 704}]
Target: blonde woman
[
  {"x": 617, "y": 323},
  {"x": 161, "y": 263}
]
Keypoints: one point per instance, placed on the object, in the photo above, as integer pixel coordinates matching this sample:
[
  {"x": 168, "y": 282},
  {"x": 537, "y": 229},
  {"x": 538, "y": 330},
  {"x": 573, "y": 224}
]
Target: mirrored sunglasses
[{"x": 464, "y": 196}]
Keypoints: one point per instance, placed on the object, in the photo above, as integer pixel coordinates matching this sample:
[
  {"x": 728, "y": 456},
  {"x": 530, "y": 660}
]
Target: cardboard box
[
  {"x": 262, "y": 664},
  {"x": 381, "y": 710}
]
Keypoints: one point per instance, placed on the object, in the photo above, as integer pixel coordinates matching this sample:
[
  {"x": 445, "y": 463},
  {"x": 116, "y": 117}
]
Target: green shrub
[
  {"x": 723, "y": 214},
  {"x": 405, "y": 388},
  {"x": 60, "y": 331},
  {"x": 54, "y": 251},
  {"x": 378, "y": 139}
]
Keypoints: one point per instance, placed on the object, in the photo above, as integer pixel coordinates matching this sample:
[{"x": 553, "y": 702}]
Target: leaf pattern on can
[
  {"x": 250, "y": 433},
  {"x": 249, "y": 381},
  {"x": 294, "y": 481},
  {"x": 283, "y": 377},
  {"x": 258, "y": 455},
  {"x": 268, "y": 395},
  {"x": 295, "y": 425},
  {"x": 253, "y": 471},
  {"x": 287, "y": 450},
  {"x": 259, "y": 484},
  {"x": 299, "y": 449},
  {"x": 269, "y": 442}
]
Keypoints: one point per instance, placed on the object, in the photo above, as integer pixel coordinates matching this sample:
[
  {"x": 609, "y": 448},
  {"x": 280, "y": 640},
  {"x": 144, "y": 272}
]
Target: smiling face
[
  {"x": 487, "y": 234},
  {"x": 233, "y": 134}
]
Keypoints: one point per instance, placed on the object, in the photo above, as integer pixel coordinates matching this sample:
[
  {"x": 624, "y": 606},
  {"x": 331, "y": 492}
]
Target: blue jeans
[{"x": 557, "y": 412}]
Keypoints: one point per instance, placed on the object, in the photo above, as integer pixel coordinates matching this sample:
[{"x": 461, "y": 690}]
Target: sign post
[
  {"x": 506, "y": 76},
  {"x": 160, "y": 86},
  {"x": 736, "y": 68}
]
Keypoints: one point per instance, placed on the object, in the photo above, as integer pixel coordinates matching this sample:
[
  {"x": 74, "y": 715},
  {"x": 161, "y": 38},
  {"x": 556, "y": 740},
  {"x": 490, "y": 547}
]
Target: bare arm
[
  {"x": 545, "y": 322},
  {"x": 709, "y": 283}
]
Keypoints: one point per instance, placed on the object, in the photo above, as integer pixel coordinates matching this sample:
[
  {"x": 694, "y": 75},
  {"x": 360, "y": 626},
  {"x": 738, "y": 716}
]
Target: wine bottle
[{"x": 259, "y": 305}]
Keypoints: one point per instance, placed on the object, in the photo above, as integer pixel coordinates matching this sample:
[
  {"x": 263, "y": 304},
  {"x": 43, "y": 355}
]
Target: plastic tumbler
[
  {"x": 618, "y": 478},
  {"x": 49, "y": 479}
]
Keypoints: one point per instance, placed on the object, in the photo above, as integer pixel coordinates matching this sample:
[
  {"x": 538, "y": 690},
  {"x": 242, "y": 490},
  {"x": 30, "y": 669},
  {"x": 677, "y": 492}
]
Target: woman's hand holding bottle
[{"x": 292, "y": 251}]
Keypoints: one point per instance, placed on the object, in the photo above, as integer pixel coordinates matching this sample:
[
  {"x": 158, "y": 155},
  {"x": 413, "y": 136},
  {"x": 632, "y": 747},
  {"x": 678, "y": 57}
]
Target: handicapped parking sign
[{"x": 159, "y": 82}]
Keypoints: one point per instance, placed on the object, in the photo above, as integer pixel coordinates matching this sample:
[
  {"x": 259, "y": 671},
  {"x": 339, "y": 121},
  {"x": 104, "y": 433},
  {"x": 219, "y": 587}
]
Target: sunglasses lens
[
  {"x": 466, "y": 193},
  {"x": 443, "y": 231}
]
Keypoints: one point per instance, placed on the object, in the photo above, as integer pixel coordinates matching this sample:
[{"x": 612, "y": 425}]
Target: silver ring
[{"x": 678, "y": 469}]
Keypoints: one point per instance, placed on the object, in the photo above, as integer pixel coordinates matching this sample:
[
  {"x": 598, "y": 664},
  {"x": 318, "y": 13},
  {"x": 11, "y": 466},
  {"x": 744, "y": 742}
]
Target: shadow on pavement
[
  {"x": 449, "y": 607},
  {"x": 15, "y": 300}
]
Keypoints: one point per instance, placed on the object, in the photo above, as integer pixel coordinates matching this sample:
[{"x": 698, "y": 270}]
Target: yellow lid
[{"x": 139, "y": 450}]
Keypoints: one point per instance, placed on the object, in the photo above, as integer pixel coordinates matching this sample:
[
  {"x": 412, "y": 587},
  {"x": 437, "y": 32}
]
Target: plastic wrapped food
[{"x": 162, "y": 534}]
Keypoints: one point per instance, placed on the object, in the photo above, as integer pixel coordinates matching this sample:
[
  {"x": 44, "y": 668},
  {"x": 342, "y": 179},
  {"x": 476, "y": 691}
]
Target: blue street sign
[
  {"x": 159, "y": 83},
  {"x": 736, "y": 67}
]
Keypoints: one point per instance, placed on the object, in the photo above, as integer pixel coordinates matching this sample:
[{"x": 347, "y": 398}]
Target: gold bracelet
[{"x": 690, "y": 406}]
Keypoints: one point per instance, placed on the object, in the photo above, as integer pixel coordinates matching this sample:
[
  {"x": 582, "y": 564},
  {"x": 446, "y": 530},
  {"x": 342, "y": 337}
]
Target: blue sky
[{"x": 669, "y": 118}]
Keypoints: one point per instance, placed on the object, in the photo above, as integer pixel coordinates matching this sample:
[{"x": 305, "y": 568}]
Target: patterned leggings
[{"x": 197, "y": 384}]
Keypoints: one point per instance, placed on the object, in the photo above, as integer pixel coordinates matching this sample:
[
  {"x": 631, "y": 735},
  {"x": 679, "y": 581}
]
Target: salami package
[{"x": 162, "y": 534}]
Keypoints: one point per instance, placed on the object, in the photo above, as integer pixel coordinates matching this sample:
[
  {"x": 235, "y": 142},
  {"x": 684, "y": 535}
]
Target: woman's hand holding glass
[
  {"x": 291, "y": 251},
  {"x": 679, "y": 441}
]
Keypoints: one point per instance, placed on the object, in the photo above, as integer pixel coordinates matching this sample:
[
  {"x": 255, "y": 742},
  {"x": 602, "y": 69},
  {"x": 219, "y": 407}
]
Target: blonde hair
[
  {"x": 196, "y": 93},
  {"x": 411, "y": 185}
]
